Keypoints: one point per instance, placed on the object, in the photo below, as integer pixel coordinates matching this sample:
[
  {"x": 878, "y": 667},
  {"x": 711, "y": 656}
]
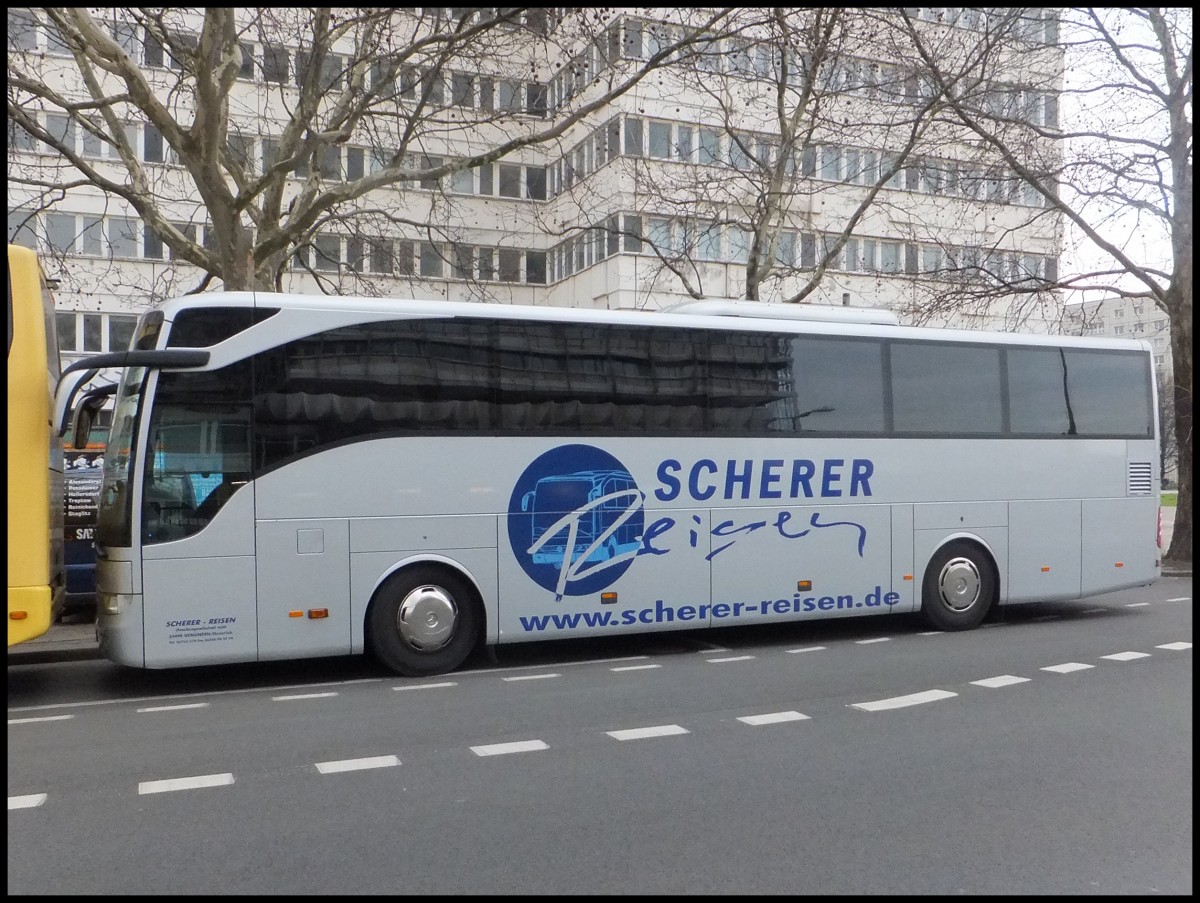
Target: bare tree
[
  {"x": 1126, "y": 174},
  {"x": 348, "y": 101}
]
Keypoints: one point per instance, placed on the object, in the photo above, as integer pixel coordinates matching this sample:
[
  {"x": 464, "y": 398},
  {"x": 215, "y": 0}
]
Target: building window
[
  {"x": 510, "y": 95},
  {"x": 633, "y": 234},
  {"x": 510, "y": 180},
  {"x": 431, "y": 260},
  {"x": 380, "y": 250},
  {"x": 535, "y": 267},
  {"x": 123, "y": 236},
  {"x": 633, "y": 136},
  {"x": 889, "y": 257},
  {"x": 660, "y": 140},
  {"x": 275, "y": 63},
  {"x": 462, "y": 90},
  {"x": 463, "y": 259},
  {"x": 509, "y": 264},
  {"x": 535, "y": 182},
  {"x": 462, "y": 181}
]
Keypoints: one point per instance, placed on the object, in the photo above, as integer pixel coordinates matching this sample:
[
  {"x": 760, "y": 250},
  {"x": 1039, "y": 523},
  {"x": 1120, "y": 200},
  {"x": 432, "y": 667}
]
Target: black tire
[
  {"x": 424, "y": 620},
  {"x": 959, "y": 588}
]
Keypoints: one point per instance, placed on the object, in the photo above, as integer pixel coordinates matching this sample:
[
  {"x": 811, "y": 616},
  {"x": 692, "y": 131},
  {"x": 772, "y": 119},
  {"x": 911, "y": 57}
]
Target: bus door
[{"x": 197, "y": 530}]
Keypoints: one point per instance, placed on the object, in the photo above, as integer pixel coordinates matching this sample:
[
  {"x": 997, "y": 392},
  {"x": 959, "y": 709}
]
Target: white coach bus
[{"x": 295, "y": 476}]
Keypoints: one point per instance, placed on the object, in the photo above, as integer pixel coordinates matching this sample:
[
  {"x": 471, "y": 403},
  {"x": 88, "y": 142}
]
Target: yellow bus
[{"x": 36, "y": 565}]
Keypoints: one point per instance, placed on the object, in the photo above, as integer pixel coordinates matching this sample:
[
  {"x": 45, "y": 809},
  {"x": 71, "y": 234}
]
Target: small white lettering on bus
[{"x": 769, "y": 479}]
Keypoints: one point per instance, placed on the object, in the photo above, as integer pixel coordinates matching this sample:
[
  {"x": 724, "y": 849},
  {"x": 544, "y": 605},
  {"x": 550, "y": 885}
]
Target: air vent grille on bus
[{"x": 1140, "y": 478}]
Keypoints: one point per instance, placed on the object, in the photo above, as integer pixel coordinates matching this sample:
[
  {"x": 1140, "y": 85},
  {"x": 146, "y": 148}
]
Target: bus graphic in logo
[{"x": 575, "y": 520}]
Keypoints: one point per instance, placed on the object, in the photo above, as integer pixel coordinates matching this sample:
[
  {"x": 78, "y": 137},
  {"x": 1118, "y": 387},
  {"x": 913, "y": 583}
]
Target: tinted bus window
[{"x": 946, "y": 388}]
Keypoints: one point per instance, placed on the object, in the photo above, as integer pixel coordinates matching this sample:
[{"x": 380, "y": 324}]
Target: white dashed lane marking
[
  {"x": 1067, "y": 667},
  {"x": 643, "y": 733},
  {"x": 1175, "y": 647},
  {"x": 1181, "y": 599},
  {"x": 504, "y": 749},
  {"x": 1004, "y": 680},
  {"x": 878, "y": 639},
  {"x": 772, "y": 718},
  {"x": 40, "y": 719},
  {"x": 531, "y": 677},
  {"x": 899, "y": 702},
  {"x": 357, "y": 764},
  {"x": 1137, "y": 604},
  {"x": 302, "y": 696},
  {"x": 194, "y": 783},
  {"x": 635, "y": 668},
  {"x": 174, "y": 708},
  {"x": 32, "y": 801},
  {"x": 807, "y": 649},
  {"x": 447, "y": 683},
  {"x": 729, "y": 658}
]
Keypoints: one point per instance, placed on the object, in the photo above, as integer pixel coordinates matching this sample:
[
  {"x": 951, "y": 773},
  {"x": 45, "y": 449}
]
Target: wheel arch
[
  {"x": 423, "y": 558},
  {"x": 993, "y": 559}
]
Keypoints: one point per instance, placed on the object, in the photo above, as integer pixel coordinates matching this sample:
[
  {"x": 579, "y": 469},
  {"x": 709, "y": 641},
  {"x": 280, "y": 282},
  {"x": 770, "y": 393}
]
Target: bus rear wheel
[
  {"x": 960, "y": 587},
  {"x": 424, "y": 620}
]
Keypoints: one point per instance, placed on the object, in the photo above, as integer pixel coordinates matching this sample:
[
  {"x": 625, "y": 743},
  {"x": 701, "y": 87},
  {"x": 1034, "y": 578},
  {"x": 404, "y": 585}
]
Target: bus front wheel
[
  {"x": 424, "y": 620},
  {"x": 960, "y": 587}
]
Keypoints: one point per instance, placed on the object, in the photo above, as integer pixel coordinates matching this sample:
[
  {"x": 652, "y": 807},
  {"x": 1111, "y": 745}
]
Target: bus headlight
[{"x": 113, "y": 603}]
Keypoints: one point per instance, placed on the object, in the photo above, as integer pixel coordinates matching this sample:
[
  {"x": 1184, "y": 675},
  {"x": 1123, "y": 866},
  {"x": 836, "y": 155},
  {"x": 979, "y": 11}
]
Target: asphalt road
[{"x": 1048, "y": 752}]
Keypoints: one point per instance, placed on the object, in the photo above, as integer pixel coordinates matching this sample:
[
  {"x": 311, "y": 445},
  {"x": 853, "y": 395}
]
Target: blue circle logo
[{"x": 575, "y": 520}]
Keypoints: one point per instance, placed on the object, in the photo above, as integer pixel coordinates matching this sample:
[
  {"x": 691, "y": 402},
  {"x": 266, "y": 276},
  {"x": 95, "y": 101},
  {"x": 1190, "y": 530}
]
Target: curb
[{"x": 61, "y": 654}]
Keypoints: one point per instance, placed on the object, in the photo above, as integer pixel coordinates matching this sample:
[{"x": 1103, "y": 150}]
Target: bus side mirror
[
  {"x": 84, "y": 416},
  {"x": 64, "y": 396},
  {"x": 527, "y": 501}
]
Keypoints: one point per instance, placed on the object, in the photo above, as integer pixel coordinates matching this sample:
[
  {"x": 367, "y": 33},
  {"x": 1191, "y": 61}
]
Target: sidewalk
[{"x": 61, "y": 643}]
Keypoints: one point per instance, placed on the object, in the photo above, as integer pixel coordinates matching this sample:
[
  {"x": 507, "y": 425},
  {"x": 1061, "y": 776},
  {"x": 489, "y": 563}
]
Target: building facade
[{"x": 657, "y": 196}]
